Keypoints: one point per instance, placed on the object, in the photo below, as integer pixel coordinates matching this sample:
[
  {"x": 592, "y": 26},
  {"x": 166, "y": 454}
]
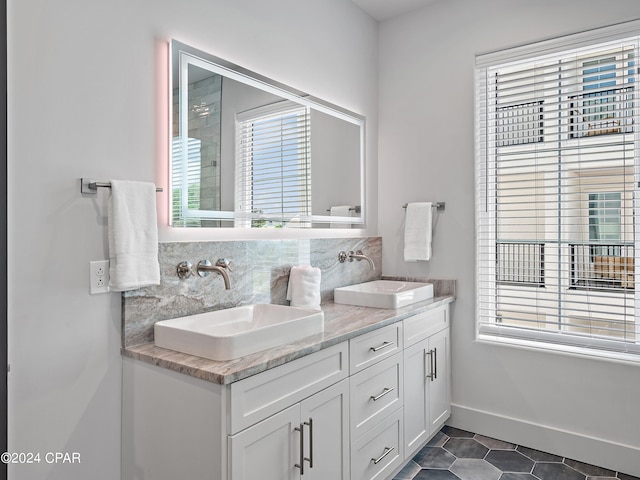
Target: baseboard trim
[{"x": 596, "y": 451}]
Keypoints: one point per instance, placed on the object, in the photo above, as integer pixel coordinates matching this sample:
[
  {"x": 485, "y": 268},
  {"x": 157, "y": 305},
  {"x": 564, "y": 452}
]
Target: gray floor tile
[
  {"x": 538, "y": 456},
  {"x": 435, "y": 475},
  {"x": 510, "y": 461},
  {"x": 556, "y": 471},
  {"x": 438, "y": 440},
  {"x": 622, "y": 476},
  {"x": 408, "y": 472},
  {"x": 454, "y": 454},
  {"x": 494, "y": 443},
  {"x": 465, "y": 448},
  {"x": 589, "y": 470},
  {"x": 517, "y": 476},
  {"x": 434, "y": 457},
  {"x": 456, "y": 432},
  {"x": 474, "y": 469}
]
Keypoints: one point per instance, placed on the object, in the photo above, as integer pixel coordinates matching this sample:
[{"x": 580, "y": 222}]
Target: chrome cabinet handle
[
  {"x": 430, "y": 375},
  {"x": 380, "y": 347},
  {"x": 386, "y": 391},
  {"x": 387, "y": 451},
  {"x": 302, "y": 457},
  {"x": 310, "y": 459},
  {"x": 435, "y": 363},
  {"x": 301, "y": 464}
]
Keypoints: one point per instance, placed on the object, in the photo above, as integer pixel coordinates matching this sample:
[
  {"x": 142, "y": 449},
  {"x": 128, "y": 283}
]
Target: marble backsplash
[{"x": 259, "y": 274}]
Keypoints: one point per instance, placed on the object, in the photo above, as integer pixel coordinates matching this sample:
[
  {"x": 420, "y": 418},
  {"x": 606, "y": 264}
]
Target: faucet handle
[
  {"x": 184, "y": 270},
  {"x": 224, "y": 263}
]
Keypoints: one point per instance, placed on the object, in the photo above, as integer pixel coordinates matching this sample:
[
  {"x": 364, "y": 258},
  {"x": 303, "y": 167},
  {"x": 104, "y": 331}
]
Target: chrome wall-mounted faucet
[
  {"x": 204, "y": 269},
  {"x": 357, "y": 255}
]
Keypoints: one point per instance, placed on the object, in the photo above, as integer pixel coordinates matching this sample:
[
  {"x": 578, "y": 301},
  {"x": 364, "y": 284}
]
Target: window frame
[{"x": 486, "y": 268}]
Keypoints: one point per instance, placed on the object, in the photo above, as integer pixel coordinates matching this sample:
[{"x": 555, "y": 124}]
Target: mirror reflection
[{"x": 249, "y": 152}]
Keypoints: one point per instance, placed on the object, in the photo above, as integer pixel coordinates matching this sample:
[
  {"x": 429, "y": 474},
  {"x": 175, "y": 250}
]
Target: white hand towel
[
  {"x": 304, "y": 287},
  {"x": 133, "y": 236},
  {"x": 417, "y": 232},
  {"x": 340, "y": 211}
]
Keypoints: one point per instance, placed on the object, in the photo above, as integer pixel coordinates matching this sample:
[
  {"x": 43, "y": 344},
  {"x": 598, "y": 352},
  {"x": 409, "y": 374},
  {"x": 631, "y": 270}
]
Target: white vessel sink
[
  {"x": 239, "y": 331},
  {"x": 384, "y": 293}
]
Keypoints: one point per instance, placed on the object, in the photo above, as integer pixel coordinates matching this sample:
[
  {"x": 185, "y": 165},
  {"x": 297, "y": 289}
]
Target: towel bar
[
  {"x": 437, "y": 205},
  {"x": 356, "y": 209},
  {"x": 90, "y": 186}
]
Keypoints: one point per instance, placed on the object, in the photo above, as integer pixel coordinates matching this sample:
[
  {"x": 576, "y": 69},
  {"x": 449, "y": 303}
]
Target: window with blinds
[
  {"x": 185, "y": 173},
  {"x": 557, "y": 174},
  {"x": 273, "y": 167}
]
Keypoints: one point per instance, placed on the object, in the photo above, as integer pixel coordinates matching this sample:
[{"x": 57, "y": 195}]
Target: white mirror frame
[{"x": 180, "y": 57}]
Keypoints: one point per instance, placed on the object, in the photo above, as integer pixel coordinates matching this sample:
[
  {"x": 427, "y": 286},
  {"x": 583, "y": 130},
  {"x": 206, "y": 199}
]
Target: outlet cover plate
[{"x": 98, "y": 277}]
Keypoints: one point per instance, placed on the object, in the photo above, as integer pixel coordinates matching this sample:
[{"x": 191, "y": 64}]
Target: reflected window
[{"x": 273, "y": 168}]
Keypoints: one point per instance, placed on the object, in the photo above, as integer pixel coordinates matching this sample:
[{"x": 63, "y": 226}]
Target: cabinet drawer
[
  {"x": 424, "y": 324},
  {"x": 374, "y": 393},
  {"x": 255, "y": 398},
  {"x": 377, "y": 454},
  {"x": 372, "y": 347}
]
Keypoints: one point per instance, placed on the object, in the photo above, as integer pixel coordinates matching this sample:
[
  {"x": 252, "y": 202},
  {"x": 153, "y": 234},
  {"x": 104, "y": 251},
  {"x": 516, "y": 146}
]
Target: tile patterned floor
[{"x": 455, "y": 454}]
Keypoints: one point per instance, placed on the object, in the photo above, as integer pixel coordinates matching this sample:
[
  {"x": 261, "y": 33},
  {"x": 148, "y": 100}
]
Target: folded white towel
[
  {"x": 133, "y": 236},
  {"x": 417, "y": 232},
  {"x": 304, "y": 287},
  {"x": 340, "y": 211}
]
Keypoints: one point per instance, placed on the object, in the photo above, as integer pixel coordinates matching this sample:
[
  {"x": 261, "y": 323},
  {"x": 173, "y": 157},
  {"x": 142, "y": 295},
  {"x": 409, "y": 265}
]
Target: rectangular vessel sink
[
  {"x": 383, "y": 293},
  {"x": 239, "y": 331}
]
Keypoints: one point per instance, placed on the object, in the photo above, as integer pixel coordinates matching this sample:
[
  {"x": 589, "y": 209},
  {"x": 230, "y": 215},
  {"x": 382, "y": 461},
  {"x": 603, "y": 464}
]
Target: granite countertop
[{"x": 341, "y": 322}]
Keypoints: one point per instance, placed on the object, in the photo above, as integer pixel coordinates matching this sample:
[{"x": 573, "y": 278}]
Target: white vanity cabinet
[
  {"x": 292, "y": 421},
  {"x": 427, "y": 397},
  {"x": 308, "y": 440},
  {"x": 177, "y": 426},
  {"x": 357, "y": 410}
]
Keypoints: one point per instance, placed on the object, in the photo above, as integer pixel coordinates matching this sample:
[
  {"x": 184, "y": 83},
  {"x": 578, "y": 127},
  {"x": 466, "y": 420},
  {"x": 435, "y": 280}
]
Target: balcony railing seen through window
[
  {"x": 602, "y": 266},
  {"x": 602, "y": 112},
  {"x": 520, "y": 263}
]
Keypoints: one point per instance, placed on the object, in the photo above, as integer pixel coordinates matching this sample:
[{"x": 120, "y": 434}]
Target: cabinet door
[
  {"x": 439, "y": 387},
  {"x": 268, "y": 450},
  {"x": 325, "y": 417},
  {"x": 427, "y": 401},
  {"x": 416, "y": 391}
]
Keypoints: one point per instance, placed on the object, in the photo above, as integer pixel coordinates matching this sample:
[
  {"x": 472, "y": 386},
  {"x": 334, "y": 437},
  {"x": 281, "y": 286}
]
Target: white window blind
[
  {"x": 557, "y": 199},
  {"x": 185, "y": 178},
  {"x": 273, "y": 167}
]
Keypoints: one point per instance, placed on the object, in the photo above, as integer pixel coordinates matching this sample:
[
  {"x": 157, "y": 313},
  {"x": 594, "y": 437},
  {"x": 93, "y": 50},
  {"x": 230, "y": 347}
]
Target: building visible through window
[{"x": 556, "y": 189}]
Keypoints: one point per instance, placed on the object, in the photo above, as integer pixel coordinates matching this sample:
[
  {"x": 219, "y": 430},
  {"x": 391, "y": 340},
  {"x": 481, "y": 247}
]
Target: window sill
[{"x": 552, "y": 345}]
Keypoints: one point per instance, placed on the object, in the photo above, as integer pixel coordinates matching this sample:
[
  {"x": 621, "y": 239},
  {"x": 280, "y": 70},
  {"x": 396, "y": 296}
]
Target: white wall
[
  {"x": 581, "y": 408},
  {"x": 87, "y": 97}
]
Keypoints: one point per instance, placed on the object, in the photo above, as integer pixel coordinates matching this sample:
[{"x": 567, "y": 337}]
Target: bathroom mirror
[{"x": 249, "y": 152}]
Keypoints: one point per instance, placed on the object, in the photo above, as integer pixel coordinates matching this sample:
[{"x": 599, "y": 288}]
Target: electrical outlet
[{"x": 98, "y": 277}]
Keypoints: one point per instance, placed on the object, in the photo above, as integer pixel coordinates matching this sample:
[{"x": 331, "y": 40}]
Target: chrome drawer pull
[
  {"x": 384, "y": 345},
  {"x": 387, "y": 451},
  {"x": 301, "y": 464},
  {"x": 386, "y": 391}
]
